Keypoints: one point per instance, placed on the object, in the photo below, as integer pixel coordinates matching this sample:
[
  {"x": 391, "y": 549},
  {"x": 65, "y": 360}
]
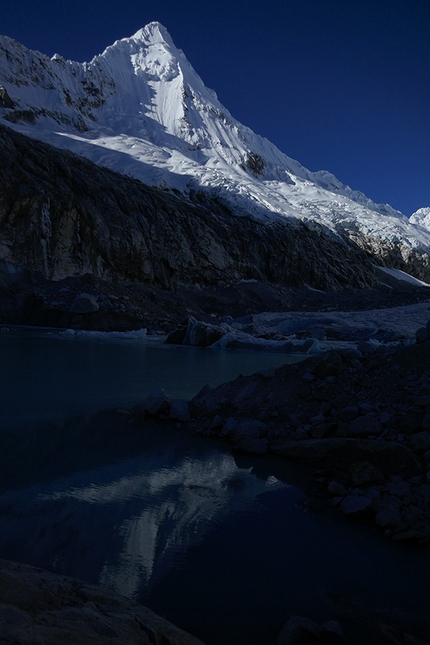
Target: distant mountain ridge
[{"x": 140, "y": 109}]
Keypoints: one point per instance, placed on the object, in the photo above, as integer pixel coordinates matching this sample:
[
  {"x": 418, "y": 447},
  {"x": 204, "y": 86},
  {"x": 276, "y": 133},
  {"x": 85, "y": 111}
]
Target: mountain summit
[{"x": 140, "y": 108}]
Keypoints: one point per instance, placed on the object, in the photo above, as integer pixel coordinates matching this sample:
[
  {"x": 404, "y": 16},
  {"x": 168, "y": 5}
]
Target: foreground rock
[{"x": 44, "y": 608}]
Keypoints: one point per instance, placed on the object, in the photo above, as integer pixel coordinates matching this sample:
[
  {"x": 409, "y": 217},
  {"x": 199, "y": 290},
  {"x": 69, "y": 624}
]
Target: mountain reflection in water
[{"x": 159, "y": 512}]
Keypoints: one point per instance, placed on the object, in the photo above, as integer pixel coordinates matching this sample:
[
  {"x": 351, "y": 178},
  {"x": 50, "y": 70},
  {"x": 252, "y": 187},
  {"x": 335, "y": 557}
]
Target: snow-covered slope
[
  {"x": 421, "y": 217},
  {"x": 140, "y": 108}
]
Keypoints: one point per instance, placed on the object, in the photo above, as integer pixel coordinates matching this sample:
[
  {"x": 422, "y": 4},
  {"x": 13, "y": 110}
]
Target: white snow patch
[{"x": 401, "y": 275}]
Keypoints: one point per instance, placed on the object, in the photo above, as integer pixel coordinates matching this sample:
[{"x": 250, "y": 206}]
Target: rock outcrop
[
  {"x": 37, "y": 606},
  {"x": 393, "y": 253}
]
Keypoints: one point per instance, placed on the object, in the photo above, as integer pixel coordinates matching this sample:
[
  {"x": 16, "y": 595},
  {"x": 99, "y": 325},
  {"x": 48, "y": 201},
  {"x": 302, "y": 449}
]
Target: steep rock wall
[
  {"x": 64, "y": 216},
  {"x": 415, "y": 261}
]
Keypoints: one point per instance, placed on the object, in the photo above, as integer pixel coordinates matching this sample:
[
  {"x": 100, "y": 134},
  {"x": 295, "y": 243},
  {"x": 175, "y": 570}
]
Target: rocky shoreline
[{"x": 359, "y": 419}]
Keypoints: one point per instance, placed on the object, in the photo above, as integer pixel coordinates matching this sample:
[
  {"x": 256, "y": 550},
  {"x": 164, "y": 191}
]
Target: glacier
[{"x": 139, "y": 108}]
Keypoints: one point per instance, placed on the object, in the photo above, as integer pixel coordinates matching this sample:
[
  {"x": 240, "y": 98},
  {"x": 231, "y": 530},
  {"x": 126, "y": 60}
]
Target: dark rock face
[
  {"x": 64, "y": 216},
  {"x": 5, "y": 100},
  {"x": 415, "y": 261}
]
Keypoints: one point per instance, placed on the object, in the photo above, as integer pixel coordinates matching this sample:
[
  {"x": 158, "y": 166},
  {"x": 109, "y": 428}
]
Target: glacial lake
[
  {"x": 51, "y": 373},
  {"x": 220, "y": 544}
]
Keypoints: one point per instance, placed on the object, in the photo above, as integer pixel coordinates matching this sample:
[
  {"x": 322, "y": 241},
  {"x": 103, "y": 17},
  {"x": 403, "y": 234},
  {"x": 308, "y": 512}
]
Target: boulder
[
  {"x": 363, "y": 473},
  {"x": 308, "y": 345},
  {"x": 364, "y": 426},
  {"x": 180, "y": 411},
  {"x": 308, "y": 376},
  {"x": 157, "y": 403},
  {"x": 349, "y": 413},
  {"x": 206, "y": 400},
  {"x": 252, "y": 429},
  {"x": 412, "y": 535},
  {"x": 385, "y": 417},
  {"x": 336, "y": 489},
  {"x": 355, "y": 505},
  {"x": 229, "y": 427},
  {"x": 400, "y": 489},
  {"x": 202, "y": 334},
  {"x": 420, "y": 442},
  {"x": 84, "y": 304},
  {"x": 217, "y": 423}
]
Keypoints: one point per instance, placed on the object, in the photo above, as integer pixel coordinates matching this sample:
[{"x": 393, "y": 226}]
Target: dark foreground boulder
[{"x": 37, "y": 606}]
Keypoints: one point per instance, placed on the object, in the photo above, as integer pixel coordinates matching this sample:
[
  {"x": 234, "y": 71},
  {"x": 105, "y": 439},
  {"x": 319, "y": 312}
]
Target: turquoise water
[{"x": 49, "y": 374}]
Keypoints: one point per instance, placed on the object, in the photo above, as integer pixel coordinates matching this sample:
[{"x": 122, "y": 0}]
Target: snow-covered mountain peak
[
  {"x": 141, "y": 109},
  {"x": 153, "y": 33},
  {"x": 146, "y": 54},
  {"x": 153, "y": 40}
]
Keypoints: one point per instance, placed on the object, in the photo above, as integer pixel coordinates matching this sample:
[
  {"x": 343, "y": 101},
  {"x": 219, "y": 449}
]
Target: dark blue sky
[{"x": 341, "y": 85}]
